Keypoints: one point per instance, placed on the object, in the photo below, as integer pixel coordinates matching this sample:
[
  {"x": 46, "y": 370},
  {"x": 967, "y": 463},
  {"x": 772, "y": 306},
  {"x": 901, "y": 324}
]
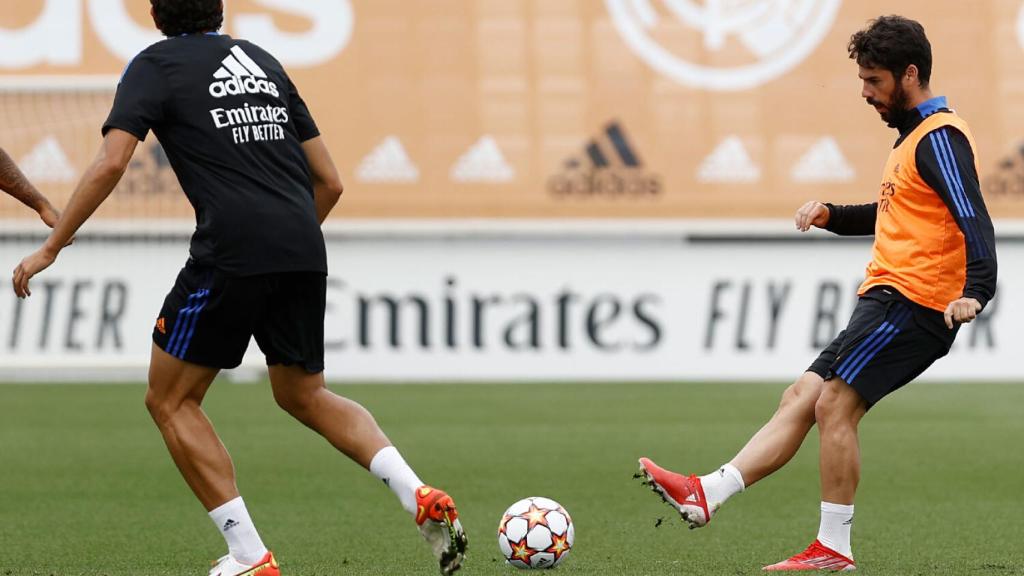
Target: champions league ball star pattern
[{"x": 535, "y": 533}]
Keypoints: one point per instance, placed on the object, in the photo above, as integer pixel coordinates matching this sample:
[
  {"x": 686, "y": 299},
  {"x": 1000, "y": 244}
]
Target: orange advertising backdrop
[{"x": 540, "y": 108}]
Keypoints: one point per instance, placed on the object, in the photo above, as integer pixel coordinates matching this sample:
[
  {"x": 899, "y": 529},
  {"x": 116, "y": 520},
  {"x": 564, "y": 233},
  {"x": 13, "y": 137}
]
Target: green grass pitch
[{"x": 86, "y": 486}]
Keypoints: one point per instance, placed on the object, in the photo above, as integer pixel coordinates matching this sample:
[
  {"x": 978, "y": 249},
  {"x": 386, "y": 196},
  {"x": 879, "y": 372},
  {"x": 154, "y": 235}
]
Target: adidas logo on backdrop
[
  {"x": 388, "y": 163},
  {"x": 483, "y": 163},
  {"x": 609, "y": 168},
  {"x": 238, "y": 75},
  {"x": 47, "y": 163},
  {"x": 729, "y": 163}
]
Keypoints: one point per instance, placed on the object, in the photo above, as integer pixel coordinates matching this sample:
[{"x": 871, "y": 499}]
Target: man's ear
[{"x": 910, "y": 76}]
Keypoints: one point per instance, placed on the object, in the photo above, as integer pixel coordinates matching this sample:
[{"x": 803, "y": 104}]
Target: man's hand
[
  {"x": 961, "y": 311},
  {"x": 811, "y": 214},
  {"x": 29, "y": 267},
  {"x": 49, "y": 215}
]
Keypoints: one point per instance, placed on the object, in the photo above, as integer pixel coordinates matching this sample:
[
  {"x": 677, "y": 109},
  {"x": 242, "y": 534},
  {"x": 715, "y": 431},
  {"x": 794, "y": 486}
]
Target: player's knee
[
  {"x": 802, "y": 395},
  {"x": 298, "y": 403},
  {"x": 158, "y": 406},
  {"x": 790, "y": 398},
  {"x": 828, "y": 410}
]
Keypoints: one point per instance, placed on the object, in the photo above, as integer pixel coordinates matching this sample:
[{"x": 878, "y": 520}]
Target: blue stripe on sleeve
[
  {"x": 944, "y": 134},
  {"x": 976, "y": 246},
  {"x": 946, "y": 176}
]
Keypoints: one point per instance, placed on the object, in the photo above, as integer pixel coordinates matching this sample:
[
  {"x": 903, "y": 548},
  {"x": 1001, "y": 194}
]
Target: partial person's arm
[
  {"x": 856, "y": 220},
  {"x": 14, "y": 182},
  {"x": 327, "y": 187},
  {"x": 945, "y": 161},
  {"x": 96, "y": 185},
  {"x": 852, "y": 219}
]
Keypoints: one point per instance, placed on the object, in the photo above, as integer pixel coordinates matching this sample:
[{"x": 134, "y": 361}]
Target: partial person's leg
[
  {"x": 352, "y": 429},
  {"x": 345, "y": 424},
  {"x": 176, "y": 391},
  {"x": 697, "y": 499},
  {"x": 778, "y": 440},
  {"x": 839, "y": 411},
  {"x": 174, "y": 398}
]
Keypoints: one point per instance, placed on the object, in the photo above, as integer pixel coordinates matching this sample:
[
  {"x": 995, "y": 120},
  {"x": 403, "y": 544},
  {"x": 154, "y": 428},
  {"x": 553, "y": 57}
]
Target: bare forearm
[
  {"x": 327, "y": 187},
  {"x": 326, "y": 198},
  {"x": 97, "y": 183},
  {"x": 14, "y": 182}
]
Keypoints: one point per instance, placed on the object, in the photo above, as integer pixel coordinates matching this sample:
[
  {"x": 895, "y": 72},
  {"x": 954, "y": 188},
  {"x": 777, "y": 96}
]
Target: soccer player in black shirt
[
  {"x": 13, "y": 182},
  {"x": 251, "y": 161}
]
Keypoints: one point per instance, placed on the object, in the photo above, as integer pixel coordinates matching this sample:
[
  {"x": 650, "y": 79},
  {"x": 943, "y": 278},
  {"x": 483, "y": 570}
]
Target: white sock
[
  {"x": 721, "y": 485},
  {"x": 834, "y": 532},
  {"x": 389, "y": 466},
  {"x": 234, "y": 523}
]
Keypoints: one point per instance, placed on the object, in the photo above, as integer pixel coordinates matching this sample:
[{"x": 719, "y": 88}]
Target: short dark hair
[
  {"x": 893, "y": 43},
  {"x": 177, "y": 17}
]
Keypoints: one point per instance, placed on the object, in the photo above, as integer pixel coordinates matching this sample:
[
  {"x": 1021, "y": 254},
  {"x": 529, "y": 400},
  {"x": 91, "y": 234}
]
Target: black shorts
[
  {"x": 209, "y": 318},
  {"x": 883, "y": 348}
]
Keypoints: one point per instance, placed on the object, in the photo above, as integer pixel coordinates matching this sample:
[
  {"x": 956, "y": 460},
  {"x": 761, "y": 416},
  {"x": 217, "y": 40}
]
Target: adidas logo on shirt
[
  {"x": 238, "y": 75},
  {"x": 609, "y": 167}
]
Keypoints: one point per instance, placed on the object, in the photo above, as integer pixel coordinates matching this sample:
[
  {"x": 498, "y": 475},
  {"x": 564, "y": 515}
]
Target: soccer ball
[{"x": 535, "y": 533}]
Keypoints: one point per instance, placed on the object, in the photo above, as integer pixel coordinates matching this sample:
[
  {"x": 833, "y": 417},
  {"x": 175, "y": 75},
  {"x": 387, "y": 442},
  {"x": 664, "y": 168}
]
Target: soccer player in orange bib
[{"x": 933, "y": 269}]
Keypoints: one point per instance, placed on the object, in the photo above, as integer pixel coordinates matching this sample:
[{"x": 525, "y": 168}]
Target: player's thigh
[
  {"x": 291, "y": 332},
  {"x": 804, "y": 393},
  {"x": 294, "y": 387},
  {"x": 207, "y": 318},
  {"x": 172, "y": 381},
  {"x": 839, "y": 402}
]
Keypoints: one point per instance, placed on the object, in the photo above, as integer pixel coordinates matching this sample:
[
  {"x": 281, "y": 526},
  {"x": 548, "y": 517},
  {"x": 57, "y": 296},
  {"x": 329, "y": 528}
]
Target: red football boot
[
  {"x": 816, "y": 557},
  {"x": 684, "y": 493},
  {"x": 438, "y": 521}
]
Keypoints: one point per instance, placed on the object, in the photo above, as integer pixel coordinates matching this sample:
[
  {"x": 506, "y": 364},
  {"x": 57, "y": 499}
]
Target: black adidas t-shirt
[{"x": 232, "y": 124}]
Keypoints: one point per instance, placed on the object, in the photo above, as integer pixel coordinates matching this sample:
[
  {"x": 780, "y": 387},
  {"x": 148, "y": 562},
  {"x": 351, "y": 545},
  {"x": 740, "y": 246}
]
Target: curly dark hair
[
  {"x": 893, "y": 43},
  {"x": 177, "y": 17}
]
